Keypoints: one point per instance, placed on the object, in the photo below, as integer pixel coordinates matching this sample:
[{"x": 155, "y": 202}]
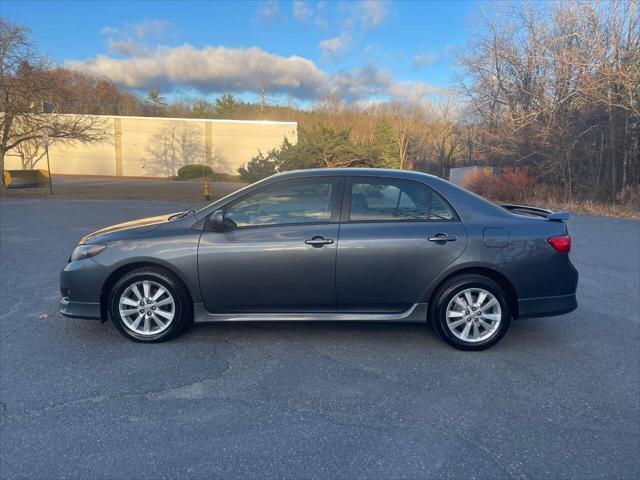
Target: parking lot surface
[
  {"x": 124, "y": 188},
  {"x": 557, "y": 398}
]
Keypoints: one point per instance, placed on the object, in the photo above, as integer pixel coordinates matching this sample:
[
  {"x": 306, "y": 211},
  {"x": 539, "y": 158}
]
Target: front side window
[
  {"x": 384, "y": 200},
  {"x": 304, "y": 201}
]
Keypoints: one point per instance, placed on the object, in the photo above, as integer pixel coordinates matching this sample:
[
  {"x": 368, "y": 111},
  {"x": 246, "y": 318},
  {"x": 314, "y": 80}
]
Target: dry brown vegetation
[{"x": 518, "y": 186}]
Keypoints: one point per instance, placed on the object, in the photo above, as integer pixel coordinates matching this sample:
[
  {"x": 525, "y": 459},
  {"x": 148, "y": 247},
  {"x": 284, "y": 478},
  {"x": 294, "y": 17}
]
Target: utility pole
[
  {"x": 45, "y": 140},
  {"x": 263, "y": 99}
]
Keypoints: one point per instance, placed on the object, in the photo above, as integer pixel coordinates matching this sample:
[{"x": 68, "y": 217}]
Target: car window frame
[
  {"x": 346, "y": 201},
  {"x": 335, "y": 207}
]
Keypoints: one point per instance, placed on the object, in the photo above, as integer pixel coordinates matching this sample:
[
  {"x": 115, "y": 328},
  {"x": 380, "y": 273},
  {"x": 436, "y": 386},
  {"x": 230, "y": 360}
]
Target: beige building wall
[
  {"x": 76, "y": 159},
  {"x": 158, "y": 147}
]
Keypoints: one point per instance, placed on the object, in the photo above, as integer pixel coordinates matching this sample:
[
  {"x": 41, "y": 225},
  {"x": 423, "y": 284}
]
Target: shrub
[
  {"x": 511, "y": 186},
  {"x": 195, "y": 171},
  {"x": 484, "y": 184},
  {"x": 258, "y": 167},
  {"x": 515, "y": 186}
]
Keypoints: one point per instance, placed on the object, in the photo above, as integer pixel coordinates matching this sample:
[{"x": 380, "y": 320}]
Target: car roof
[{"x": 351, "y": 172}]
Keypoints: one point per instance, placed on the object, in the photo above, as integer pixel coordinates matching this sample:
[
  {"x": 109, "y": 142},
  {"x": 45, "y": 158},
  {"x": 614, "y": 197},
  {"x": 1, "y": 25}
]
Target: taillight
[{"x": 562, "y": 243}]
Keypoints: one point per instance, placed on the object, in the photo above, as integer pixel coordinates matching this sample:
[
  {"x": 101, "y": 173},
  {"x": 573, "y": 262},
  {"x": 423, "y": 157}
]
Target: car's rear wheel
[
  {"x": 149, "y": 305},
  {"x": 471, "y": 312}
]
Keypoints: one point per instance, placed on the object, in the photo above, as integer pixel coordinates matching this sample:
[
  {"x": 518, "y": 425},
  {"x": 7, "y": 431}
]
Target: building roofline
[{"x": 214, "y": 120}]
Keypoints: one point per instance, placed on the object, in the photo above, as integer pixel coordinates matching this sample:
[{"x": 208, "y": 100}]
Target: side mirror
[{"x": 217, "y": 222}]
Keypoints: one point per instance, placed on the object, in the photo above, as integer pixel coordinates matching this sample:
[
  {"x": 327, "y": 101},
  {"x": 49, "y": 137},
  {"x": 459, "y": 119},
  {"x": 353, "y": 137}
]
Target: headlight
[{"x": 86, "y": 251}]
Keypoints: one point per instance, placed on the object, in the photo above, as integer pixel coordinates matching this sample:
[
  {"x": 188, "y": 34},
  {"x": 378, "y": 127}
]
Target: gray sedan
[{"x": 329, "y": 245}]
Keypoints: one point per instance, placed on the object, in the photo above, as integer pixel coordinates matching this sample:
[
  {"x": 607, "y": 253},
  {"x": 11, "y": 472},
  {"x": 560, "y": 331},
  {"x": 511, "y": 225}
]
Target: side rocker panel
[{"x": 415, "y": 314}]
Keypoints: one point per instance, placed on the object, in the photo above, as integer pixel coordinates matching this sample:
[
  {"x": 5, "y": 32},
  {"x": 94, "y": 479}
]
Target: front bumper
[
  {"x": 547, "y": 306},
  {"x": 80, "y": 287},
  {"x": 79, "y": 309}
]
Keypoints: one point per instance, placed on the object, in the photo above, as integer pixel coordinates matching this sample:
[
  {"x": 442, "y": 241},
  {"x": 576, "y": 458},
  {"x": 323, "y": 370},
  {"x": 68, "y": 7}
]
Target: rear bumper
[
  {"x": 547, "y": 306},
  {"x": 79, "y": 309}
]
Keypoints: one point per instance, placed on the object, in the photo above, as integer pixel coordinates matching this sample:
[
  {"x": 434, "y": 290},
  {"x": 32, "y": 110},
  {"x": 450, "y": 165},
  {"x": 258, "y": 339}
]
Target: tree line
[
  {"x": 549, "y": 88},
  {"x": 555, "y": 87}
]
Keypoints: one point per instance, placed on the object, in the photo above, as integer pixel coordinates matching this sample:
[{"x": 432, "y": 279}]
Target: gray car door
[
  {"x": 280, "y": 257},
  {"x": 396, "y": 236}
]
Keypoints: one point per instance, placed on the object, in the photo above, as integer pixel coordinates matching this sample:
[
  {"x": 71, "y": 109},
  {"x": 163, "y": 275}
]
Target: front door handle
[
  {"x": 443, "y": 237},
  {"x": 318, "y": 241}
]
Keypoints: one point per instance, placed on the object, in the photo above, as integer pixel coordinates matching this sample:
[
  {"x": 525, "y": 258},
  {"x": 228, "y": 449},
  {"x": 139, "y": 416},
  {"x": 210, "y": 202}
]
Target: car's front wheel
[
  {"x": 471, "y": 312},
  {"x": 149, "y": 305}
]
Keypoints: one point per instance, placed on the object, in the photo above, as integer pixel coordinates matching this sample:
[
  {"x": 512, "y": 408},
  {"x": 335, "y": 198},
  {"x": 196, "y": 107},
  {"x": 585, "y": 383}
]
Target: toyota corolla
[{"x": 331, "y": 245}]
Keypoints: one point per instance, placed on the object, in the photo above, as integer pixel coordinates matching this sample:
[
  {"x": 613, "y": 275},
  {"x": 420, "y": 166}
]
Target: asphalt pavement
[
  {"x": 123, "y": 188},
  {"x": 558, "y": 398}
]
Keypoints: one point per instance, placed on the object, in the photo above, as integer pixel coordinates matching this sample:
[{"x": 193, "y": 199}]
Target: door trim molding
[{"x": 417, "y": 313}]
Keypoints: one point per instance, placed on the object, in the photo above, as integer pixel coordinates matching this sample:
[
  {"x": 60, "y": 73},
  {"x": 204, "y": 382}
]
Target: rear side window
[
  {"x": 439, "y": 209},
  {"x": 385, "y": 200},
  {"x": 302, "y": 201}
]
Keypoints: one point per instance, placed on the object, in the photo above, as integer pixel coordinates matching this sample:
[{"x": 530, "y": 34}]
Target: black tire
[
  {"x": 453, "y": 287},
  {"x": 183, "y": 307}
]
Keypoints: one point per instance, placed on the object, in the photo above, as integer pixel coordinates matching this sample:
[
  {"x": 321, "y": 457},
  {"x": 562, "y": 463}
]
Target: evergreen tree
[
  {"x": 258, "y": 167},
  {"x": 226, "y": 106},
  {"x": 155, "y": 101}
]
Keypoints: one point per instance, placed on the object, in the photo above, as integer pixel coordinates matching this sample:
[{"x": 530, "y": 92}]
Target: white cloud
[
  {"x": 359, "y": 18},
  {"x": 426, "y": 59},
  {"x": 370, "y": 84},
  {"x": 126, "y": 47},
  {"x": 211, "y": 69},
  {"x": 372, "y": 13},
  {"x": 320, "y": 13},
  {"x": 301, "y": 10},
  {"x": 108, "y": 30},
  {"x": 361, "y": 83},
  {"x": 414, "y": 92},
  {"x": 269, "y": 11},
  {"x": 152, "y": 28},
  {"x": 423, "y": 60},
  {"x": 220, "y": 69},
  {"x": 134, "y": 39},
  {"x": 332, "y": 46}
]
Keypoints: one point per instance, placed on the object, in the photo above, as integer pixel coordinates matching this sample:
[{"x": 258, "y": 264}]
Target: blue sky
[{"x": 303, "y": 50}]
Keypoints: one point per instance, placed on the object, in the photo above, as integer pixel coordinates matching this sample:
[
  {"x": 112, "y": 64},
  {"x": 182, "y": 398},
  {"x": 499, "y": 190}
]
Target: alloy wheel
[
  {"x": 146, "y": 307},
  {"x": 473, "y": 315}
]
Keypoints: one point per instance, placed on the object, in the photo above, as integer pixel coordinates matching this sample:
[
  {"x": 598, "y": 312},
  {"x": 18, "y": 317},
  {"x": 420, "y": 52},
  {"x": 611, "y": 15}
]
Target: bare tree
[
  {"x": 407, "y": 126},
  {"x": 26, "y": 85},
  {"x": 554, "y": 86},
  {"x": 445, "y": 135}
]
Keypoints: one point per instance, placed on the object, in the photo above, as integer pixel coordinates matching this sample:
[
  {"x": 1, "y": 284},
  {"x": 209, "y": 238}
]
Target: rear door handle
[
  {"x": 443, "y": 237},
  {"x": 319, "y": 241}
]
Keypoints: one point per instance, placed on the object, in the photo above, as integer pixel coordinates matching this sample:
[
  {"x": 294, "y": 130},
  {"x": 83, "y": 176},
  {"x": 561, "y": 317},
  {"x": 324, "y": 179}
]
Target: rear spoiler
[{"x": 539, "y": 212}]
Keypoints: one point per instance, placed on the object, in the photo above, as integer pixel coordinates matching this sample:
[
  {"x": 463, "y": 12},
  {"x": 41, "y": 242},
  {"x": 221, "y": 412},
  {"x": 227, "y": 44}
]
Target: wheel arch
[
  {"x": 488, "y": 272},
  {"x": 123, "y": 270}
]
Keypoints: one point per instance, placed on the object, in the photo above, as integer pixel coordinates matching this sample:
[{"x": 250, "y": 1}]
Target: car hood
[{"x": 131, "y": 228}]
